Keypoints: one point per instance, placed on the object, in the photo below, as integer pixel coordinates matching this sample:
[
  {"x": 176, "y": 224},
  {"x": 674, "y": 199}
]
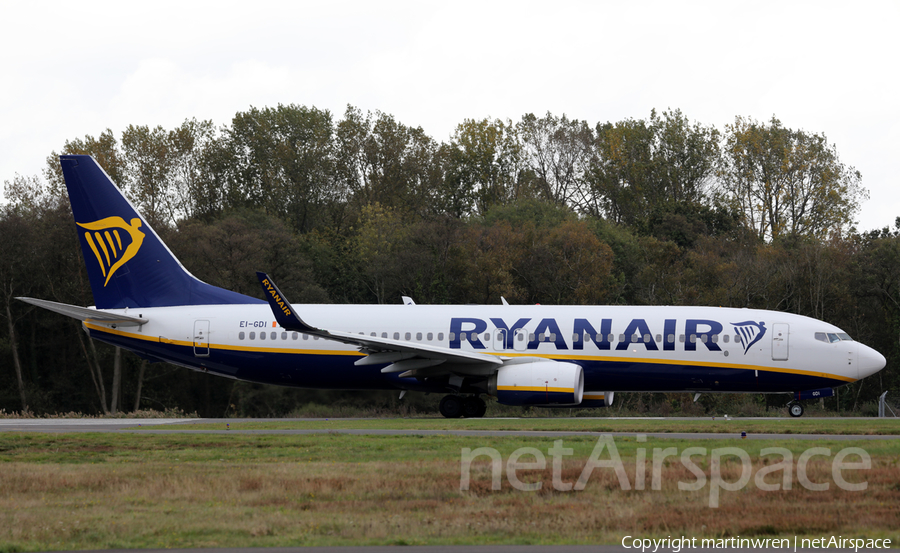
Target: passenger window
[
  {"x": 715, "y": 338},
  {"x": 693, "y": 338},
  {"x": 418, "y": 336},
  {"x": 441, "y": 336},
  {"x": 284, "y": 335},
  {"x": 430, "y": 337},
  {"x": 658, "y": 338},
  {"x": 407, "y": 336},
  {"x": 253, "y": 336},
  {"x": 474, "y": 336},
  {"x": 487, "y": 336},
  {"x": 384, "y": 334},
  {"x": 305, "y": 336},
  {"x": 576, "y": 338},
  {"x": 241, "y": 335},
  {"x": 647, "y": 338},
  {"x": 294, "y": 336},
  {"x": 462, "y": 336},
  {"x": 273, "y": 335},
  {"x": 452, "y": 336},
  {"x": 670, "y": 338},
  {"x": 621, "y": 337},
  {"x": 552, "y": 336},
  {"x": 611, "y": 338},
  {"x": 262, "y": 335},
  {"x": 396, "y": 336},
  {"x": 725, "y": 338},
  {"x": 681, "y": 338}
]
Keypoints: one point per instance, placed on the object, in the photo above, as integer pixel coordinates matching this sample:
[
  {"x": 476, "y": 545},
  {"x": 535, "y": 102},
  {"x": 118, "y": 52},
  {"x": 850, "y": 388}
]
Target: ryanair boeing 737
[{"x": 554, "y": 356}]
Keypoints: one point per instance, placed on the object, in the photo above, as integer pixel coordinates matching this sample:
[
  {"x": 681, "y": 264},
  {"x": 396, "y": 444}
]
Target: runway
[{"x": 176, "y": 426}]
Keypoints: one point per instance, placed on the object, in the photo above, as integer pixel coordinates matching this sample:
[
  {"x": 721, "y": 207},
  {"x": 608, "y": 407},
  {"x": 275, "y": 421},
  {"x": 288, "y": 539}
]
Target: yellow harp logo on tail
[{"x": 114, "y": 242}]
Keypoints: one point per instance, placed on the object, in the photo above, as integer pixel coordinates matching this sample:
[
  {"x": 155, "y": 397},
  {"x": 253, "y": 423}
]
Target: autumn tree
[
  {"x": 558, "y": 151},
  {"x": 787, "y": 182},
  {"x": 105, "y": 149}
]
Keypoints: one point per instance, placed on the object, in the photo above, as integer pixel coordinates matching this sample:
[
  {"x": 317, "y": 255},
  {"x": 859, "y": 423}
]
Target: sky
[{"x": 76, "y": 69}]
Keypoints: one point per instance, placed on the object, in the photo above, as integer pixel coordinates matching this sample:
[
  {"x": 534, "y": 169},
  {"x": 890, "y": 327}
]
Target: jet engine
[
  {"x": 550, "y": 383},
  {"x": 597, "y": 399}
]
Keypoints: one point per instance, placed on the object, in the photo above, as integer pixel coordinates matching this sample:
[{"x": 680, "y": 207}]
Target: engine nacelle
[
  {"x": 538, "y": 383},
  {"x": 597, "y": 399}
]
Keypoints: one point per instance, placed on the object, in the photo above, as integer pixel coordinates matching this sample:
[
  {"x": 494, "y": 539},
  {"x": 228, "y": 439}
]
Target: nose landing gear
[{"x": 454, "y": 407}]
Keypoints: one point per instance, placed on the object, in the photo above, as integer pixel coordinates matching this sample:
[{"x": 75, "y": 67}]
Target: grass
[
  {"x": 856, "y": 426},
  {"x": 138, "y": 490}
]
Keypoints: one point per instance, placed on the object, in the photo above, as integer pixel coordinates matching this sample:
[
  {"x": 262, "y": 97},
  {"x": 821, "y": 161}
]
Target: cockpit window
[{"x": 833, "y": 337}]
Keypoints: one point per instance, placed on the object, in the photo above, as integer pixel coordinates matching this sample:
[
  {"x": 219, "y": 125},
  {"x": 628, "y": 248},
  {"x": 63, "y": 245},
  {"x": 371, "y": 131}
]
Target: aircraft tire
[
  {"x": 795, "y": 409},
  {"x": 451, "y": 407},
  {"x": 473, "y": 407}
]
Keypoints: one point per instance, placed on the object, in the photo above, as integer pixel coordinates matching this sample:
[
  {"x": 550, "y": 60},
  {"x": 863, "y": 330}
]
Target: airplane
[{"x": 537, "y": 355}]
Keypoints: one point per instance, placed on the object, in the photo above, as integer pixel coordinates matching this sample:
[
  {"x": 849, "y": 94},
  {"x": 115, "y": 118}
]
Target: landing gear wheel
[
  {"x": 473, "y": 407},
  {"x": 795, "y": 409},
  {"x": 451, "y": 407}
]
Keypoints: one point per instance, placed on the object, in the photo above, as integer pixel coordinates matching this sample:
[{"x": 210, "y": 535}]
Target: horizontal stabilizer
[{"x": 87, "y": 314}]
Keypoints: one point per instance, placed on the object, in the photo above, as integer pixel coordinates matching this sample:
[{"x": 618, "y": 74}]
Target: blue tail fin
[{"x": 128, "y": 265}]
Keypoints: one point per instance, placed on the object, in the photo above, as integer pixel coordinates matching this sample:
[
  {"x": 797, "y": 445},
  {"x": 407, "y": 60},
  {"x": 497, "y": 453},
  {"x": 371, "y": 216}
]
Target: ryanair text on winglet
[{"x": 272, "y": 292}]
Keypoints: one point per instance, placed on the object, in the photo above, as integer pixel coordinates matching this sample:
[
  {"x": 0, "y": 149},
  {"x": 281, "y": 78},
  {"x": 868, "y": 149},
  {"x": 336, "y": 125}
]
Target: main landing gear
[
  {"x": 795, "y": 409},
  {"x": 454, "y": 407}
]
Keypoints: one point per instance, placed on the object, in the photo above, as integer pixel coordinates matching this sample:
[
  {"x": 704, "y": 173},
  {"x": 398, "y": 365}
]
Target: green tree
[
  {"x": 484, "y": 165},
  {"x": 641, "y": 167},
  {"x": 383, "y": 161},
  {"x": 285, "y": 163}
]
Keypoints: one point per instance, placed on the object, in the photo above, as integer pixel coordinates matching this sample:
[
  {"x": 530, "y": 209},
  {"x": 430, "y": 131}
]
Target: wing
[{"x": 411, "y": 359}]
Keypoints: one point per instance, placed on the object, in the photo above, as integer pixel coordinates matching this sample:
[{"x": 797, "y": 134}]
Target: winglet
[{"x": 282, "y": 309}]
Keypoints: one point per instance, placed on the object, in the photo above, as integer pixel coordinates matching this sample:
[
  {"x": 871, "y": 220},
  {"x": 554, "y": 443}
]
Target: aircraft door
[
  {"x": 780, "y": 341},
  {"x": 201, "y": 338},
  {"x": 520, "y": 339},
  {"x": 500, "y": 339}
]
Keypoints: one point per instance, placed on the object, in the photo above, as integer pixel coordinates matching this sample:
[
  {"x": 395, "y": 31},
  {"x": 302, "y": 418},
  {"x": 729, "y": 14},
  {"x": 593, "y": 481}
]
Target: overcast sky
[{"x": 73, "y": 69}]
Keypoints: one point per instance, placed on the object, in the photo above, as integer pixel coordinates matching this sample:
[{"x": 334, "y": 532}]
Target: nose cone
[{"x": 870, "y": 361}]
